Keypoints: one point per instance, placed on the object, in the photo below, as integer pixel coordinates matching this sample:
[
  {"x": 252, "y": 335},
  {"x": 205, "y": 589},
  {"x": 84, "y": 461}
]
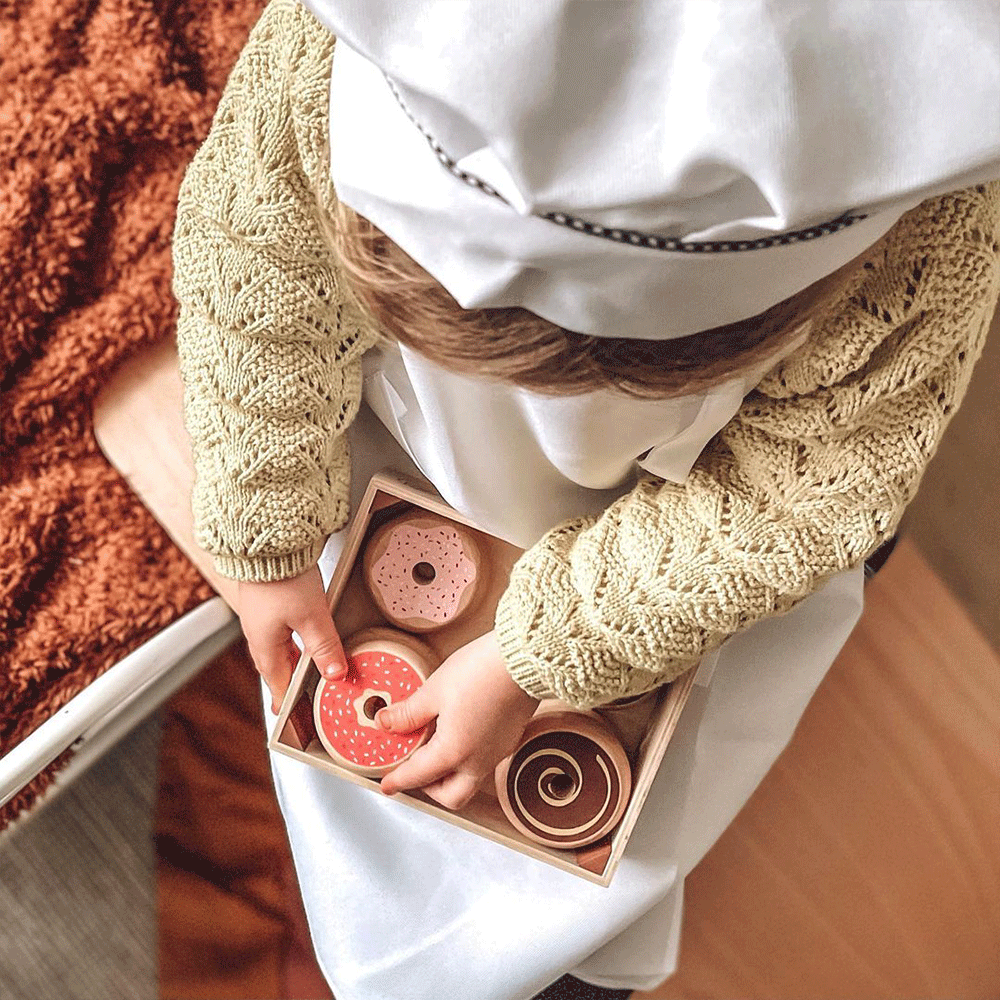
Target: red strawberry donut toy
[
  {"x": 384, "y": 667},
  {"x": 568, "y": 783},
  {"x": 423, "y": 571}
]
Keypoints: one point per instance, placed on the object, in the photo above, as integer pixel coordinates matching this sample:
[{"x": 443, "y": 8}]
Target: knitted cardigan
[{"x": 808, "y": 478}]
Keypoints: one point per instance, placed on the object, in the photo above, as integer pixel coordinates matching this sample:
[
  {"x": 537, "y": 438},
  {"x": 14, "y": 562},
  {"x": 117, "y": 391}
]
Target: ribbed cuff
[
  {"x": 267, "y": 569},
  {"x": 523, "y": 668}
]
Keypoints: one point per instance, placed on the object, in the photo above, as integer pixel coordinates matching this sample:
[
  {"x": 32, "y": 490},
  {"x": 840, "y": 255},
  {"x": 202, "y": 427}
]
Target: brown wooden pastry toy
[
  {"x": 629, "y": 718},
  {"x": 423, "y": 571},
  {"x": 384, "y": 666},
  {"x": 569, "y": 781}
]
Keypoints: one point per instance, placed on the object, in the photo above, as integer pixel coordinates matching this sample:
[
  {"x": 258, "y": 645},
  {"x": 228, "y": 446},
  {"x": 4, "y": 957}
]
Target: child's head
[
  {"x": 516, "y": 346},
  {"x": 639, "y": 176}
]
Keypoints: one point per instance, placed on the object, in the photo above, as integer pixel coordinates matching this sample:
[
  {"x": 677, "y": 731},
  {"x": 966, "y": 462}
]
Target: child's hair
[{"x": 514, "y": 345}]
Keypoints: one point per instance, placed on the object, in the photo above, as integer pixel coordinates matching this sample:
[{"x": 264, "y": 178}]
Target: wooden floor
[
  {"x": 955, "y": 517},
  {"x": 867, "y": 864}
]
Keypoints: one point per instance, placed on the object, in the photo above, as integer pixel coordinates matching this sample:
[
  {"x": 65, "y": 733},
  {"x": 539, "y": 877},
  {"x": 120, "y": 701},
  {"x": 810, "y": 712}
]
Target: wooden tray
[{"x": 645, "y": 725}]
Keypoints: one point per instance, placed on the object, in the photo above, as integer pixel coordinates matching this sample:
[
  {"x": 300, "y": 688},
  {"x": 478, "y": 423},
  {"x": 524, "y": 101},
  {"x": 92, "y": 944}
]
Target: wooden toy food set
[{"x": 415, "y": 582}]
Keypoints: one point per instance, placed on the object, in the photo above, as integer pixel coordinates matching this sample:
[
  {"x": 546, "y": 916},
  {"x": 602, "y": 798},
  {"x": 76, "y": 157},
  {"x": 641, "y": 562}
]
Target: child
[{"x": 690, "y": 486}]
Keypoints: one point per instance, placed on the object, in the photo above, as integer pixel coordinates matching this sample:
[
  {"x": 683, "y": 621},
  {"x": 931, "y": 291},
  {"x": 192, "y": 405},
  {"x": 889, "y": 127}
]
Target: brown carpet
[
  {"x": 102, "y": 104},
  {"x": 231, "y": 924}
]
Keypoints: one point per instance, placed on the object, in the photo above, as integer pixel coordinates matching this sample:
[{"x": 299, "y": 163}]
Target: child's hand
[
  {"x": 481, "y": 714},
  {"x": 270, "y": 612}
]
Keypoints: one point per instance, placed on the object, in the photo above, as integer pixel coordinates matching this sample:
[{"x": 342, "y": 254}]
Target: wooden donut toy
[
  {"x": 384, "y": 667},
  {"x": 423, "y": 571},
  {"x": 569, "y": 781}
]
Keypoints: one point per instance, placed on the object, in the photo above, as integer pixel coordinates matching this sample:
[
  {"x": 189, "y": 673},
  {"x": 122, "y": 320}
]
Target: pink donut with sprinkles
[
  {"x": 380, "y": 672},
  {"x": 423, "y": 571}
]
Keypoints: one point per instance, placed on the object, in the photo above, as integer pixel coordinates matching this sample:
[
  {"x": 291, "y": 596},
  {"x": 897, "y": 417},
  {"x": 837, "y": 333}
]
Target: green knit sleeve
[
  {"x": 809, "y": 478},
  {"x": 270, "y": 349}
]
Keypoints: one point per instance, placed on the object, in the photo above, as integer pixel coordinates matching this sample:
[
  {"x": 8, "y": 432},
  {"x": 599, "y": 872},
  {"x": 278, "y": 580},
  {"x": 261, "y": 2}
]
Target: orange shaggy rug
[{"x": 102, "y": 105}]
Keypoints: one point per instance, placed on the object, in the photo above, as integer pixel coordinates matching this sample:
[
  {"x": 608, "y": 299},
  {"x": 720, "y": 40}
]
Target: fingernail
[
  {"x": 335, "y": 669},
  {"x": 382, "y": 718}
]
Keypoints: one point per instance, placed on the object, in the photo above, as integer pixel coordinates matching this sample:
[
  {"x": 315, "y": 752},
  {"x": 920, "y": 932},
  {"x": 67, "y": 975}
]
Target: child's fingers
[
  {"x": 454, "y": 791},
  {"x": 274, "y": 661},
  {"x": 408, "y": 715},
  {"x": 322, "y": 643},
  {"x": 425, "y": 765}
]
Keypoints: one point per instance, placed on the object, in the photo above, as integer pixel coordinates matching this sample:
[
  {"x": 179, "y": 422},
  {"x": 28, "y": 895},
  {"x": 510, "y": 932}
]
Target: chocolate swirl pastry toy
[
  {"x": 569, "y": 781},
  {"x": 423, "y": 571}
]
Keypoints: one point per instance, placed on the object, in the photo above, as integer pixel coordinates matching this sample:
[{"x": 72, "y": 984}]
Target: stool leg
[
  {"x": 878, "y": 558},
  {"x": 571, "y": 988}
]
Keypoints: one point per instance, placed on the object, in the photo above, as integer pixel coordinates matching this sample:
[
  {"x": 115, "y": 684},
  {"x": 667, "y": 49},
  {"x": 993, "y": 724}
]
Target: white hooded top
[{"x": 654, "y": 168}]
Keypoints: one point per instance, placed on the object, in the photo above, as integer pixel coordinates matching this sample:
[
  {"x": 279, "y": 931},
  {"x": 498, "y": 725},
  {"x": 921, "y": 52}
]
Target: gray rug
[{"x": 77, "y": 886}]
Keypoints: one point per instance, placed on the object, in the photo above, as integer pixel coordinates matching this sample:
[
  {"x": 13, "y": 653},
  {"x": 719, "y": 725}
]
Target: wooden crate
[{"x": 645, "y": 725}]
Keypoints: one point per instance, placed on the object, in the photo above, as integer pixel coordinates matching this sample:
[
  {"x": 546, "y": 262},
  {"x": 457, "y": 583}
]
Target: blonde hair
[{"x": 516, "y": 346}]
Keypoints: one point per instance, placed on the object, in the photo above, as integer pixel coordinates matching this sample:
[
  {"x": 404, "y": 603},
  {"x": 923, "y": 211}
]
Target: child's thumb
[{"x": 323, "y": 645}]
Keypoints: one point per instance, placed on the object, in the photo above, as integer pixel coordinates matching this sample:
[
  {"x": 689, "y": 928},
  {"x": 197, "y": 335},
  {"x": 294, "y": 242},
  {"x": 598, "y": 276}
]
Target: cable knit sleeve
[
  {"x": 269, "y": 347},
  {"x": 809, "y": 478}
]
